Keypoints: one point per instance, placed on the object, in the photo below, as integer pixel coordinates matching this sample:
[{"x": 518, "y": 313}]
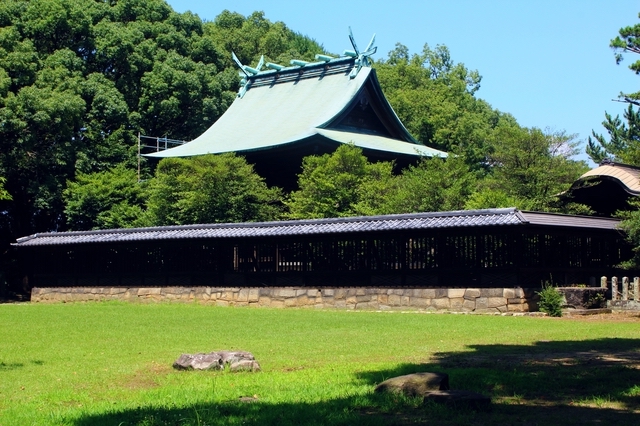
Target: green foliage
[
  {"x": 624, "y": 139},
  {"x": 340, "y": 184},
  {"x": 630, "y": 225},
  {"x": 210, "y": 189},
  {"x": 550, "y": 300},
  {"x": 628, "y": 40},
  {"x": 79, "y": 79},
  {"x": 529, "y": 167},
  {"x": 4, "y": 195},
  {"x": 110, "y": 199},
  {"x": 434, "y": 98},
  {"x": 434, "y": 184}
]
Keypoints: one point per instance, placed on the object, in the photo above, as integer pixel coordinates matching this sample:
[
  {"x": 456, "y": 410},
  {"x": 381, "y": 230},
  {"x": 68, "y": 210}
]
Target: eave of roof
[
  {"x": 414, "y": 221},
  {"x": 293, "y": 104},
  {"x": 627, "y": 176}
]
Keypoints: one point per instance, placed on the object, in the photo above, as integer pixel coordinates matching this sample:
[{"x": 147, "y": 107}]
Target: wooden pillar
[
  {"x": 636, "y": 289},
  {"x": 614, "y": 288},
  {"x": 603, "y": 282}
]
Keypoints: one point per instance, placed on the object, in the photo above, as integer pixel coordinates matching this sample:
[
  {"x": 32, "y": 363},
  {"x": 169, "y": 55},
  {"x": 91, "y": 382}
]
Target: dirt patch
[
  {"x": 622, "y": 316},
  {"x": 146, "y": 378}
]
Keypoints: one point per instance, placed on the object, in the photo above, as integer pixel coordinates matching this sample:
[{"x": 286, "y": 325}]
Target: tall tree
[
  {"x": 435, "y": 98},
  {"x": 624, "y": 138},
  {"x": 530, "y": 168}
]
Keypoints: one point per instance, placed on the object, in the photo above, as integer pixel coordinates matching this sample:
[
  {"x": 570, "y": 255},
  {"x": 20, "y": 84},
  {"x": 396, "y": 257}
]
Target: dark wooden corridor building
[{"x": 484, "y": 248}]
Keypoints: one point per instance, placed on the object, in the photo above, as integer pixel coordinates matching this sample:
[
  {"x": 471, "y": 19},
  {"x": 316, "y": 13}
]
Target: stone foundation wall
[{"x": 485, "y": 300}]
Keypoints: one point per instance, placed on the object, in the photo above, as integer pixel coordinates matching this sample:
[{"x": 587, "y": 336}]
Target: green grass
[{"x": 110, "y": 364}]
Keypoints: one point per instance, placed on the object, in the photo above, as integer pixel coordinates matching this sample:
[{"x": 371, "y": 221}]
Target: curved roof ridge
[{"x": 626, "y": 175}]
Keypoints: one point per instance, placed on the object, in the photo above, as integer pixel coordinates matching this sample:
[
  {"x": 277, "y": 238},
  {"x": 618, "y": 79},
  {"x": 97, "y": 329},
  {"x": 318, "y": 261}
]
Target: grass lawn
[{"x": 110, "y": 364}]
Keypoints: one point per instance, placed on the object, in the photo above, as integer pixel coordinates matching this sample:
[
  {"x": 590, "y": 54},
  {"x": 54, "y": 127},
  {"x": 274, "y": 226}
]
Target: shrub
[{"x": 550, "y": 300}]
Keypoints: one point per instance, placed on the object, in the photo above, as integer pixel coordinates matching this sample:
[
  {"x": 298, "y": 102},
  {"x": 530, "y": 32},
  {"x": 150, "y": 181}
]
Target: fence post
[
  {"x": 614, "y": 288},
  {"x": 625, "y": 288},
  {"x": 636, "y": 289},
  {"x": 603, "y": 282}
]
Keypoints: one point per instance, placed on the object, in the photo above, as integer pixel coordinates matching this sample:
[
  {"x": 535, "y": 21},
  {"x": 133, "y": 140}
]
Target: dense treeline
[{"x": 79, "y": 79}]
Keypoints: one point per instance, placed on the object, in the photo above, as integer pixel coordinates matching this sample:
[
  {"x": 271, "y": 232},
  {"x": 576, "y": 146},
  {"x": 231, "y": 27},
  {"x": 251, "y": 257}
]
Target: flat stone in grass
[
  {"x": 416, "y": 384},
  {"x": 236, "y": 360},
  {"x": 460, "y": 398},
  {"x": 210, "y": 361}
]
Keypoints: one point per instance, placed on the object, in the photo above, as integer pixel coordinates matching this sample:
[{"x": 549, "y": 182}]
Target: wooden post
[
  {"x": 603, "y": 282},
  {"x": 636, "y": 289},
  {"x": 614, "y": 288},
  {"x": 625, "y": 288}
]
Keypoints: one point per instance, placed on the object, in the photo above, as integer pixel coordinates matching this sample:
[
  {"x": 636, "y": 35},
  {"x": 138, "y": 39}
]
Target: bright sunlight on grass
[{"x": 110, "y": 364}]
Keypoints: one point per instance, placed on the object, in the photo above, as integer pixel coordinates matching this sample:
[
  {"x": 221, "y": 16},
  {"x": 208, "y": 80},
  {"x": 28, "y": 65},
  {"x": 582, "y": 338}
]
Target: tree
[
  {"x": 210, "y": 189},
  {"x": 435, "y": 98},
  {"x": 434, "y": 184},
  {"x": 340, "y": 184},
  {"x": 530, "y": 168},
  {"x": 109, "y": 199},
  {"x": 624, "y": 138},
  {"x": 4, "y": 195}
]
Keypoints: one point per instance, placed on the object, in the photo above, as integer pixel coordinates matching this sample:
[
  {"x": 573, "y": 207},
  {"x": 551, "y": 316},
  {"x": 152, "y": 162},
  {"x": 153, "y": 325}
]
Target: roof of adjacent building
[
  {"x": 280, "y": 107},
  {"x": 625, "y": 175},
  {"x": 414, "y": 221}
]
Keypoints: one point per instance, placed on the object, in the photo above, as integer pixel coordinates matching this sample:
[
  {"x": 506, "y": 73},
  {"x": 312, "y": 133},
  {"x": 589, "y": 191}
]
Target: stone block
[
  {"x": 300, "y": 292},
  {"x": 394, "y": 300},
  {"x": 264, "y": 301},
  {"x": 339, "y": 293},
  {"x": 383, "y": 299},
  {"x": 471, "y": 293},
  {"x": 456, "y": 303},
  {"x": 284, "y": 293},
  {"x": 491, "y": 292},
  {"x": 508, "y": 293},
  {"x": 243, "y": 295},
  {"x": 302, "y": 300},
  {"x": 405, "y": 300},
  {"x": 516, "y": 308},
  {"x": 441, "y": 293},
  {"x": 328, "y": 292},
  {"x": 352, "y": 300},
  {"x": 254, "y": 295},
  {"x": 277, "y": 303},
  {"x": 517, "y": 301},
  {"x": 455, "y": 293},
  {"x": 420, "y": 302},
  {"x": 429, "y": 293},
  {"x": 469, "y": 305},
  {"x": 291, "y": 301},
  {"x": 495, "y": 302},
  {"x": 363, "y": 298},
  {"x": 482, "y": 303},
  {"x": 441, "y": 303},
  {"x": 360, "y": 292}
]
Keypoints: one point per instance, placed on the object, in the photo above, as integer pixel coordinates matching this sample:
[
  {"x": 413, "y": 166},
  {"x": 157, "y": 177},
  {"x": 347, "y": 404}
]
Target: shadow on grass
[{"x": 559, "y": 383}]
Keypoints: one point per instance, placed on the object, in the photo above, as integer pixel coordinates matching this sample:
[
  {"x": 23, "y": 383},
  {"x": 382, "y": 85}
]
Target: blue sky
[{"x": 547, "y": 62}]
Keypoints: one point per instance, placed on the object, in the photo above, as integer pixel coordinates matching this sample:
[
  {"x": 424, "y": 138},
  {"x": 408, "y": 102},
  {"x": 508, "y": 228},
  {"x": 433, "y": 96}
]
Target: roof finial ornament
[
  {"x": 363, "y": 58},
  {"x": 247, "y": 71}
]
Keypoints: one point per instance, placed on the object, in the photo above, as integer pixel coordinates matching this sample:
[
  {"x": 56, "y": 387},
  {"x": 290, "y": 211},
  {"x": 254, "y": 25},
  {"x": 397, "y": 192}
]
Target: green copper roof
[{"x": 284, "y": 106}]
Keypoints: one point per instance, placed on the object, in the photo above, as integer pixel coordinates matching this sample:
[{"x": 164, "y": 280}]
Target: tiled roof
[
  {"x": 295, "y": 104},
  {"x": 454, "y": 219}
]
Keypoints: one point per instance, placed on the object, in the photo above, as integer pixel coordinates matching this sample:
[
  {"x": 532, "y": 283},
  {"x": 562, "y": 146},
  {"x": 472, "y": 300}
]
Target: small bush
[{"x": 550, "y": 300}]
